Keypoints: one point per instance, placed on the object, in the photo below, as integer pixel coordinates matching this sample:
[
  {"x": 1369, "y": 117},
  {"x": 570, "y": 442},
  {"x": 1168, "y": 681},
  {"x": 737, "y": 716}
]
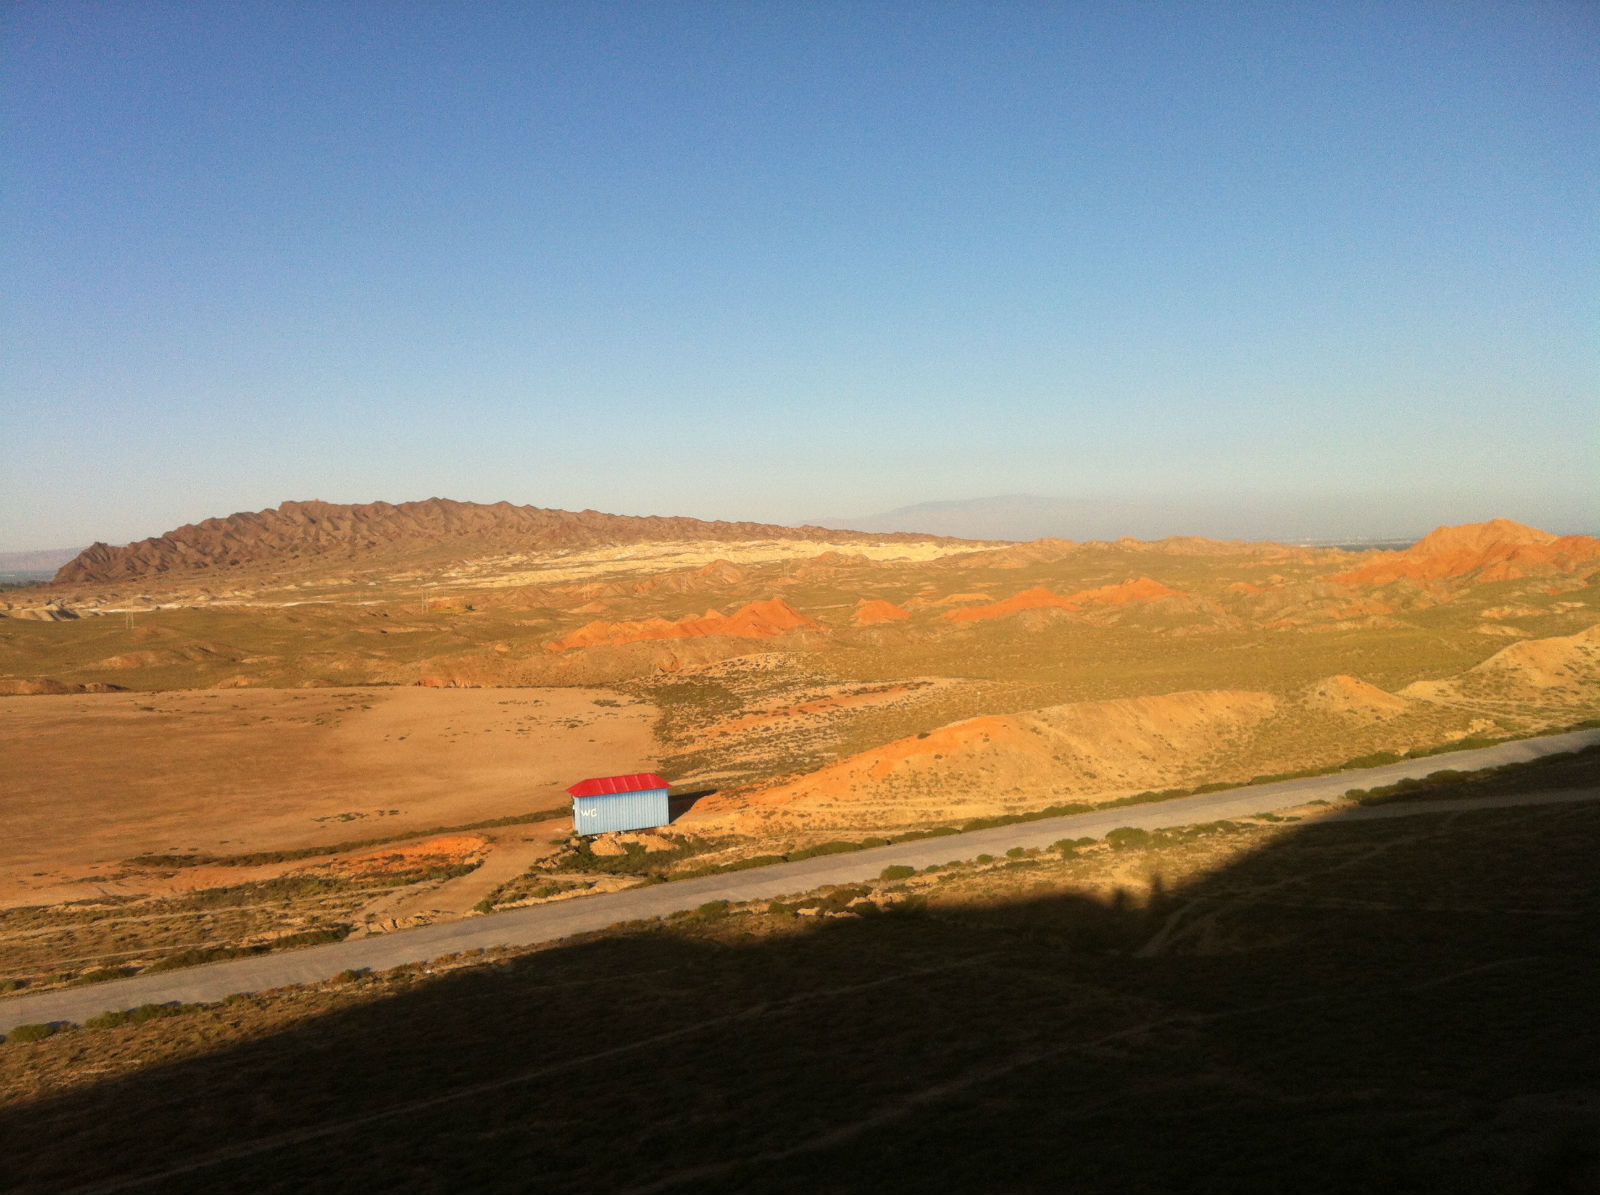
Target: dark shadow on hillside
[
  {"x": 1396, "y": 1006},
  {"x": 679, "y": 804}
]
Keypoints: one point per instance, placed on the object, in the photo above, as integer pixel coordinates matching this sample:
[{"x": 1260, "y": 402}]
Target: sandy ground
[
  {"x": 89, "y": 780},
  {"x": 599, "y": 562},
  {"x": 514, "y": 851}
]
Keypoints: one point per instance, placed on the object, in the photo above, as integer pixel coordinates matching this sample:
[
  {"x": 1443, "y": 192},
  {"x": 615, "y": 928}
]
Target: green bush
[
  {"x": 137, "y": 1016},
  {"x": 1376, "y": 760},
  {"x": 35, "y": 1032},
  {"x": 712, "y": 910},
  {"x": 822, "y": 848},
  {"x": 1016, "y": 852},
  {"x": 897, "y": 871}
]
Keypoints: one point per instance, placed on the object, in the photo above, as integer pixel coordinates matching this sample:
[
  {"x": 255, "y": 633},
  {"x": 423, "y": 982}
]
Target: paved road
[{"x": 547, "y": 923}]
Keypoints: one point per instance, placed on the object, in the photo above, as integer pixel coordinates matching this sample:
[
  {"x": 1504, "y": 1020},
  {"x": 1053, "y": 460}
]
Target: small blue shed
[{"x": 608, "y": 803}]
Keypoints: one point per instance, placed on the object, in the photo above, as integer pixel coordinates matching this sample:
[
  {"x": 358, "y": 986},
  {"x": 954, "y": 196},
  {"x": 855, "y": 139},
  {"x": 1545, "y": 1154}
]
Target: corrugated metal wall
[{"x": 620, "y": 811}]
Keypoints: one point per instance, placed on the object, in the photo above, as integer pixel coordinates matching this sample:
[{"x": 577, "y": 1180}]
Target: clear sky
[{"x": 793, "y": 260}]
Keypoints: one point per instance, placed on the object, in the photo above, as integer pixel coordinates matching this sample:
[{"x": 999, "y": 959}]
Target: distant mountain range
[
  {"x": 34, "y": 566},
  {"x": 1314, "y": 520}
]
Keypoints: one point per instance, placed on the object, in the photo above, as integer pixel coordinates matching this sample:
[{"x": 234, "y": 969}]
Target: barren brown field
[{"x": 94, "y": 779}]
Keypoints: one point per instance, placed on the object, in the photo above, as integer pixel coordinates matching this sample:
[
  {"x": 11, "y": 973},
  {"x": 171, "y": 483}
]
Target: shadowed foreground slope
[{"x": 1394, "y": 1005}]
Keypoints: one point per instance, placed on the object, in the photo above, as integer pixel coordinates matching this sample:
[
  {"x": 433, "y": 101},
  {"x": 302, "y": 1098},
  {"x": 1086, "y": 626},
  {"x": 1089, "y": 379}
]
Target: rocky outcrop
[
  {"x": 1140, "y": 589},
  {"x": 298, "y": 534},
  {"x": 1499, "y": 550},
  {"x": 758, "y": 620}
]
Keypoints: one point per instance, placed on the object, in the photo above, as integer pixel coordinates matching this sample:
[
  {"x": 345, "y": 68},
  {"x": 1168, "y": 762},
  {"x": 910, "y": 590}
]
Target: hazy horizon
[
  {"x": 1023, "y": 517},
  {"x": 780, "y": 263}
]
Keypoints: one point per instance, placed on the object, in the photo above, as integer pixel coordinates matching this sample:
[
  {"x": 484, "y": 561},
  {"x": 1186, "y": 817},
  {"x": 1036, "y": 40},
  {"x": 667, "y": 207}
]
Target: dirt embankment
[
  {"x": 1563, "y": 671},
  {"x": 987, "y": 765},
  {"x": 1096, "y": 751}
]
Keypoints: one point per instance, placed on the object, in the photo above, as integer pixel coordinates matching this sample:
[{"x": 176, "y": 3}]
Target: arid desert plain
[{"x": 275, "y": 731}]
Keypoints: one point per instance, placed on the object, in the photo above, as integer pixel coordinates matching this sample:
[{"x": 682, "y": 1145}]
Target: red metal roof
[{"x": 617, "y": 784}]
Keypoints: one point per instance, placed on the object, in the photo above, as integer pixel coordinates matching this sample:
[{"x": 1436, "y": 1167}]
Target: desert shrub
[
  {"x": 1016, "y": 852},
  {"x": 34, "y": 1032},
  {"x": 351, "y": 975},
  {"x": 1066, "y": 846},
  {"x": 12, "y": 985},
  {"x": 1127, "y": 838},
  {"x": 984, "y": 823},
  {"x": 984, "y": 859},
  {"x": 822, "y": 848},
  {"x": 897, "y": 871},
  {"x": 711, "y": 869},
  {"x": 712, "y": 910},
  {"x": 312, "y": 937},
  {"x": 836, "y": 900},
  {"x": 137, "y": 1016},
  {"x": 635, "y": 860},
  {"x": 1376, "y": 760}
]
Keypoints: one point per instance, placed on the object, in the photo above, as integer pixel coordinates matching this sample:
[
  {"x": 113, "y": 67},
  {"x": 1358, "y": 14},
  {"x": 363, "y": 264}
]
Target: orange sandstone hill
[
  {"x": 1499, "y": 550},
  {"x": 758, "y": 620},
  {"x": 1141, "y": 589},
  {"x": 870, "y": 612},
  {"x": 303, "y": 533}
]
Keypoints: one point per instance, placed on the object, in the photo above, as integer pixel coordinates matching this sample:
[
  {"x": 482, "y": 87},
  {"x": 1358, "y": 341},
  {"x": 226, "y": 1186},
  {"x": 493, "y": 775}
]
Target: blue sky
[{"x": 789, "y": 261}]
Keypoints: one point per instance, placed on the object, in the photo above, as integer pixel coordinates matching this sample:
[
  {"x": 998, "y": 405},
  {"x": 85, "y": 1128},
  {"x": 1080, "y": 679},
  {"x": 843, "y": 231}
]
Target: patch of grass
[
  {"x": 214, "y": 954},
  {"x": 139, "y": 1015},
  {"x": 32, "y": 1032}
]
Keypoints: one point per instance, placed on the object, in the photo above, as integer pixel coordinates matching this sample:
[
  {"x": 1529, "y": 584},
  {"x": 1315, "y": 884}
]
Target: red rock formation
[
  {"x": 1029, "y": 599},
  {"x": 1499, "y": 550},
  {"x": 758, "y": 620},
  {"x": 870, "y": 613},
  {"x": 1143, "y": 589}
]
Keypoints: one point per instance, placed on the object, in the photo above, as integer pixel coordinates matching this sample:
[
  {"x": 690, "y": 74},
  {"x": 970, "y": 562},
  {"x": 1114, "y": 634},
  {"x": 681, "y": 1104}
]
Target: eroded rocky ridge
[{"x": 302, "y": 533}]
